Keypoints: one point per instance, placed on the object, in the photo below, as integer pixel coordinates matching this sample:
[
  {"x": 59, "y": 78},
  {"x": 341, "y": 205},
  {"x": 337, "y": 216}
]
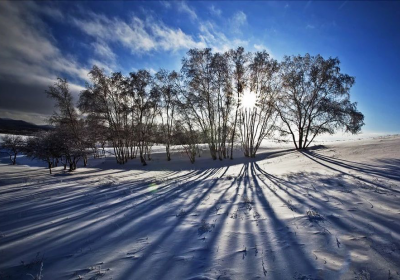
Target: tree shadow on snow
[{"x": 210, "y": 222}]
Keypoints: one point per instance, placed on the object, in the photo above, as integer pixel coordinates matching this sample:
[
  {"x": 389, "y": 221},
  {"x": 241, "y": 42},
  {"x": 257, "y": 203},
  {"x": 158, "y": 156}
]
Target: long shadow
[
  {"x": 391, "y": 169},
  {"x": 72, "y": 235},
  {"x": 362, "y": 221},
  {"x": 202, "y": 163},
  {"x": 73, "y": 204},
  {"x": 293, "y": 253},
  {"x": 172, "y": 227},
  {"x": 114, "y": 213},
  {"x": 214, "y": 236}
]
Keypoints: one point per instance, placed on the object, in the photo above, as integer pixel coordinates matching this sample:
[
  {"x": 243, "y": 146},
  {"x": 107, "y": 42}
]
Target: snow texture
[{"x": 331, "y": 212}]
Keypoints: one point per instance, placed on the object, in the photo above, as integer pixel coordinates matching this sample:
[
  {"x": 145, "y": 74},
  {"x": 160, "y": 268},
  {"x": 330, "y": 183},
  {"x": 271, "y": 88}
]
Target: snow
[{"x": 329, "y": 213}]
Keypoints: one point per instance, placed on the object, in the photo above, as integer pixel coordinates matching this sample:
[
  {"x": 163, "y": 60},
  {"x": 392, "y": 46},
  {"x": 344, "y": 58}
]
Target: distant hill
[{"x": 20, "y": 127}]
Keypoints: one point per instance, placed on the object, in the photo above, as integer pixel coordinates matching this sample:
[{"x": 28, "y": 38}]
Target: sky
[{"x": 44, "y": 40}]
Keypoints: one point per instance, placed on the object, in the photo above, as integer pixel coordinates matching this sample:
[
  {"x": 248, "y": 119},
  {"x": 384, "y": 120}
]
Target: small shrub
[
  {"x": 205, "y": 227},
  {"x": 181, "y": 213},
  {"x": 313, "y": 215}
]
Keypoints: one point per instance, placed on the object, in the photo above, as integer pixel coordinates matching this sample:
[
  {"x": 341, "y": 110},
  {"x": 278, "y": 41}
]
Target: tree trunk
[
  {"x": 300, "y": 139},
  {"x": 142, "y": 159},
  {"x": 213, "y": 151},
  {"x": 168, "y": 152},
  {"x": 198, "y": 150},
  {"x": 233, "y": 133}
]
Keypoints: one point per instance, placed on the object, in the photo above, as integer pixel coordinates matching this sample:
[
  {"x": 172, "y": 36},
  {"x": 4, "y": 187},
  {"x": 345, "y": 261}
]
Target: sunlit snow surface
[{"x": 329, "y": 213}]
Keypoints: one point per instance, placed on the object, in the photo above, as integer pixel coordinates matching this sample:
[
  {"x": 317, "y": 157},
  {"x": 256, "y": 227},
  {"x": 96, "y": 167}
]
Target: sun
[{"x": 248, "y": 100}]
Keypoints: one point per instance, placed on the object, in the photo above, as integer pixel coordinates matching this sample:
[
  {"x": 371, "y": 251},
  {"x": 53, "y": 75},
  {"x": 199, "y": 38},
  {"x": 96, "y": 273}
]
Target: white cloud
[
  {"x": 217, "y": 40},
  {"x": 30, "y": 58},
  {"x": 238, "y": 20},
  {"x": 184, "y": 8},
  {"x": 30, "y": 61},
  {"x": 137, "y": 35},
  {"x": 144, "y": 35},
  {"x": 132, "y": 35},
  {"x": 261, "y": 47},
  {"x": 28, "y": 51},
  {"x": 173, "y": 39},
  {"x": 166, "y": 4},
  {"x": 104, "y": 57},
  {"x": 215, "y": 11},
  {"x": 103, "y": 50},
  {"x": 151, "y": 70}
]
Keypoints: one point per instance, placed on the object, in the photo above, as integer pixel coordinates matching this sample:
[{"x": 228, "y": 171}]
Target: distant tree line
[
  {"x": 19, "y": 127},
  {"x": 206, "y": 102}
]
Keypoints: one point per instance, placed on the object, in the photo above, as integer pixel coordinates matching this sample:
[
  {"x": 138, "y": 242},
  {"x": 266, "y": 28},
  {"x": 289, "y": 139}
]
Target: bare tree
[
  {"x": 257, "y": 121},
  {"x": 96, "y": 134},
  {"x": 222, "y": 87},
  {"x": 186, "y": 136},
  {"x": 197, "y": 68},
  {"x": 45, "y": 146},
  {"x": 104, "y": 100},
  {"x": 315, "y": 99},
  {"x": 168, "y": 85},
  {"x": 13, "y": 145},
  {"x": 67, "y": 122},
  {"x": 209, "y": 96},
  {"x": 145, "y": 108},
  {"x": 239, "y": 61},
  {"x": 308, "y": 94}
]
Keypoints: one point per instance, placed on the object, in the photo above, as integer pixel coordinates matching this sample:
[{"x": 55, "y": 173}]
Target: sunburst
[{"x": 248, "y": 100}]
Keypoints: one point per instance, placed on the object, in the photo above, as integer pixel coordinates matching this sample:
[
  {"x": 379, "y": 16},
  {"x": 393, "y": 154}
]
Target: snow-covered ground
[{"x": 329, "y": 213}]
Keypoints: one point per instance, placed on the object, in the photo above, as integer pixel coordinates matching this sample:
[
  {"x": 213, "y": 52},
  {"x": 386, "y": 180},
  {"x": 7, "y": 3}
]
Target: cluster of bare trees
[
  {"x": 206, "y": 102},
  {"x": 12, "y": 145}
]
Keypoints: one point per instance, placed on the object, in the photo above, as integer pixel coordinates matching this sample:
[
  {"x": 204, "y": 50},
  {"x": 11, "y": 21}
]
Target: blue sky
[{"x": 43, "y": 40}]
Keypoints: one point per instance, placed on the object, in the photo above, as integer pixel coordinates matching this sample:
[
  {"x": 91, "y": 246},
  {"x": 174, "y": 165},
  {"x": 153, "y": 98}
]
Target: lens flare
[
  {"x": 153, "y": 187},
  {"x": 248, "y": 100}
]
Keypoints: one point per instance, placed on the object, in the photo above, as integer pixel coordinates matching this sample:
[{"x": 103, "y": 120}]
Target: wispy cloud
[
  {"x": 30, "y": 59},
  {"x": 238, "y": 20},
  {"x": 184, "y": 8},
  {"x": 28, "y": 51},
  {"x": 149, "y": 34},
  {"x": 216, "y": 39},
  {"x": 166, "y": 4},
  {"x": 103, "y": 50},
  {"x": 138, "y": 35},
  {"x": 215, "y": 11}
]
